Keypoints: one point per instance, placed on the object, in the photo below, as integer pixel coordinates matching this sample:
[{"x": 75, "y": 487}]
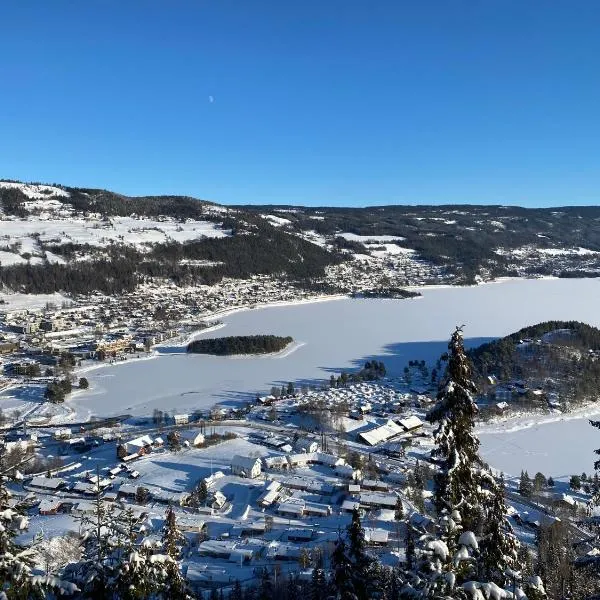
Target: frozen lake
[
  {"x": 342, "y": 334},
  {"x": 332, "y": 336},
  {"x": 560, "y": 448}
]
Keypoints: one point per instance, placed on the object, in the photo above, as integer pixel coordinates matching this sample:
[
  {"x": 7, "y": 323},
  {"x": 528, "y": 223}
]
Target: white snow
[
  {"x": 370, "y": 238},
  {"x": 276, "y": 221},
  {"x": 35, "y": 191},
  {"x": 10, "y": 258},
  {"x": 467, "y": 538},
  {"x": 567, "y": 252},
  {"x": 94, "y": 232},
  {"x": 30, "y": 301},
  {"x": 439, "y": 548},
  {"x": 525, "y": 250},
  {"x": 392, "y": 249}
]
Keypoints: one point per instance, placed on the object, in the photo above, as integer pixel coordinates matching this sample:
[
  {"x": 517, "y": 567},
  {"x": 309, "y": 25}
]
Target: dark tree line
[
  {"x": 120, "y": 268},
  {"x": 242, "y": 344}
]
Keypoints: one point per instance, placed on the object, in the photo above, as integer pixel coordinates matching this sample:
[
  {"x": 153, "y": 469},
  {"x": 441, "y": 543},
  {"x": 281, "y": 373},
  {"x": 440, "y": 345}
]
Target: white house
[
  {"x": 182, "y": 419},
  {"x": 47, "y": 483},
  {"x": 63, "y": 433},
  {"x": 270, "y": 494},
  {"x": 194, "y": 438},
  {"x": 306, "y": 445},
  {"x": 410, "y": 423},
  {"x": 246, "y": 466},
  {"x": 381, "y": 433},
  {"x": 218, "y": 500},
  {"x": 139, "y": 445},
  {"x": 376, "y": 536}
]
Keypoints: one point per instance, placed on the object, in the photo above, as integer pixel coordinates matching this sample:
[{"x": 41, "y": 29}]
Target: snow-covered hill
[{"x": 188, "y": 239}]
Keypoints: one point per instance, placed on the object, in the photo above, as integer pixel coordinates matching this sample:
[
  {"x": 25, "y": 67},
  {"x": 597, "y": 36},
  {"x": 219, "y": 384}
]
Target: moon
[{"x": 211, "y": 99}]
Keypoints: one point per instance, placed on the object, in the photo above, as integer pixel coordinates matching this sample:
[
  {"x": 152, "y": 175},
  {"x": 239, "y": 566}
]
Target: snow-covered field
[
  {"x": 371, "y": 238},
  {"x": 30, "y": 301},
  {"x": 22, "y": 233},
  {"x": 52, "y": 221}
]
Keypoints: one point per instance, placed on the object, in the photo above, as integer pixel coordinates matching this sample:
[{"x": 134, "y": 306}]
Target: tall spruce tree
[
  {"x": 469, "y": 501},
  {"x": 525, "y": 485},
  {"x": 175, "y": 587},
  {"x": 354, "y": 570},
  {"x": 95, "y": 572},
  {"x": 343, "y": 581},
  {"x": 140, "y": 572},
  {"x": 15, "y": 562},
  {"x": 456, "y": 483}
]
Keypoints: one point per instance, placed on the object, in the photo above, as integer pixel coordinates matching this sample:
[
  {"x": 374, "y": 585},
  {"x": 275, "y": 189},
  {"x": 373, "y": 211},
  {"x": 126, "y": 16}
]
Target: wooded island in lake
[{"x": 240, "y": 344}]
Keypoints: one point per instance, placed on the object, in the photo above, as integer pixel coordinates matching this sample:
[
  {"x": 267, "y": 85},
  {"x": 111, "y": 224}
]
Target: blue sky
[{"x": 319, "y": 102}]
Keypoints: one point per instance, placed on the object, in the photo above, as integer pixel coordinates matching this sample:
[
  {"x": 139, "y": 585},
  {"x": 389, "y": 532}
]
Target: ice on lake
[
  {"x": 342, "y": 334},
  {"x": 334, "y": 336}
]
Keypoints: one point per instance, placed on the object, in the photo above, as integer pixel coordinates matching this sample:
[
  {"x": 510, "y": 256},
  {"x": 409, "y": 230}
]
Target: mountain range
[{"x": 80, "y": 240}]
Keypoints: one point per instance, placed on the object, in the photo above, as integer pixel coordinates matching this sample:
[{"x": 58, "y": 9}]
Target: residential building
[{"x": 246, "y": 466}]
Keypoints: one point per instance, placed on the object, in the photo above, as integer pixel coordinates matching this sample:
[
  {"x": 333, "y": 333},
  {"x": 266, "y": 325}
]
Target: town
[{"x": 269, "y": 486}]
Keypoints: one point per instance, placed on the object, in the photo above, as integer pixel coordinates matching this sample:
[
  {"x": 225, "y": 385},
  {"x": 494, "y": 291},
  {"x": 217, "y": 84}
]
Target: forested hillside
[
  {"x": 54, "y": 237},
  {"x": 557, "y": 360}
]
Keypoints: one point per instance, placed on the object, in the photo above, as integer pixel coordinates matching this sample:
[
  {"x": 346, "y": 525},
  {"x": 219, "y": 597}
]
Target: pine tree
[
  {"x": 202, "y": 491},
  {"x": 525, "y": 485},
  {"x": 343, "y": 580},
  {"x": 293, "y": 588},
  {"x": 15, "y": 563},
  {"x": 175, "y": 586},
  {"x": 99, "y": 563},
  {"x": 399, "y": 510},
  {"x": 456, "y": 484},
  {"x": 539, "y": 482},
  {"x": 265, "y": 588},
  {"x": 236, "y": 592},
  {"x": 410, "y": 548},
  {"x": 318, "y": 584},
  {"x": 468, "y": 499},
  {"x": 498, "y": 547},
  {"x": 361, "y": 561},
  {"x": 140, "y": 572}
]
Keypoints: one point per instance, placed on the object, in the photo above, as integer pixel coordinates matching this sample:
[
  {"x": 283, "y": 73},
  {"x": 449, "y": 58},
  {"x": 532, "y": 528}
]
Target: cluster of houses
[
  {"x": 384, "y": 264},
  {"x": 144, "y": 444}
]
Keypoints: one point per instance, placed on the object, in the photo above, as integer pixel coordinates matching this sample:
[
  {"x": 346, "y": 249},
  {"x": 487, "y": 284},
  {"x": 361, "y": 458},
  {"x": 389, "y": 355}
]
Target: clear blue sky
[{"x": 341, "y": 102}]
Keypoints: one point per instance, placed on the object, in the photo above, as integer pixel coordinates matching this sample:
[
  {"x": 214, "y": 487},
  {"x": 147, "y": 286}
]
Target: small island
[
  {"x": 240, "y": 344},
  {"x": 386, "y": 292}
]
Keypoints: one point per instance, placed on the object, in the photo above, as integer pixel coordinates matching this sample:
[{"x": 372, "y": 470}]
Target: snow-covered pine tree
[
  {"x": 140, "y": 570},
  {"x": 467, "y": 497},
  {"x": 96, "y": 571},
  {"x": 17, "y": 578},
  {"x": 318, "y": 584},
  {"x": 342, "y": 572},
  {"x": 175, "y": 587},
  {"x": 361, "y": 561},
  {"x": 498, "y": 546},
  {"x": 456, "y": 483},
  {"x": 15, "y": 563},
  {"x": 525, "y": 485}
]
